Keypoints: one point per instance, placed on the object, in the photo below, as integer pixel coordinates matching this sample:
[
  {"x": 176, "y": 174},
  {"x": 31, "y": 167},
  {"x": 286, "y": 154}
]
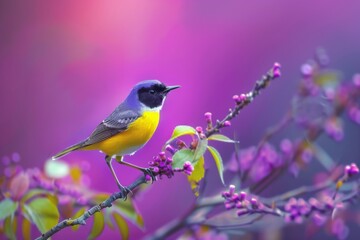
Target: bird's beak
[{"x": 170, "y": 88}]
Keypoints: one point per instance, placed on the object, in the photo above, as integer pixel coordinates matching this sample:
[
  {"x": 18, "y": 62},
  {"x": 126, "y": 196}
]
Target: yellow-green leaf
[
  {"x": 10, "y": 226},
  {"x": 182, "y": 130},
  {"x": 77, "y": 215},
  {"x": 107, "y": 215},
  {"x": 100, "y": 197},
  {"x": 127, "y": 208},
  {"x": 221, "y": 138},
  {"x": 43, "y": 213},
  {"x": 122, "y": 225},
  {"x": 197, "y": 175},
  {"x": 26, "y": 229},
  {"x": 32, "y": 193},
  {"x": 7, "y": 208},
  {"x": 181, "y": 156},
  {"x": 98, "y": 225},
  {"x": 200, "y": 150},
  {"x": 327, "y": 78},
  {"x": 53, "y": 198},
  {"x": 179, "y": 131},
  {"x": 218, "y": 160}
]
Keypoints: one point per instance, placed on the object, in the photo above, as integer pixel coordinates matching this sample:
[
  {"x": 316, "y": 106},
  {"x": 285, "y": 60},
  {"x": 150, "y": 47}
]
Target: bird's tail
[{"x": 68, "y": 150}]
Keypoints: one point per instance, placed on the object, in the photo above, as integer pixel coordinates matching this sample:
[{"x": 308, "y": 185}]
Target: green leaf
[
  {"x": 77, "y": 215},
  {"x": 107, "y": 214},
  {"x": 181, "y": 156},
  {"x": 26, "y": 229},
  {"x": 32, "y": 193},
  {"x": 53, "y": 198},
  {"x": 197, "y": 175},
  {"x": 122, "y": 225},
  {"x": 181, "y": 130},
  {"x": 218, "y": 160},
  {"x": 126, "y": 208},
  {"x": 43, "y": 213},
  {"x": 7, "y": 208},
  {"x": 323, "y": 157},
  {"x": 200, "y": 150},
  {"x": 10, "y": 226},
  {"x": 98, "y": 225},
  {"x": 221, "y": 138},
  {"x": 327, "y": 78},
  {"x": 129, "y": 210}
]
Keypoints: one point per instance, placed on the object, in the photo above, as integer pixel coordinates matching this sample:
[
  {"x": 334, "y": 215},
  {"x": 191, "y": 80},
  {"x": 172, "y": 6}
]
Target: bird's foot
[
  {"x": 149, "y": 172},
  {"x": 124, "y": 191}
]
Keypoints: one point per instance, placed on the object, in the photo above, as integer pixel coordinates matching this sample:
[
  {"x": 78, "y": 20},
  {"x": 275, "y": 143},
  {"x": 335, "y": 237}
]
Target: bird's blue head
[{"x": 149, "y": 95}]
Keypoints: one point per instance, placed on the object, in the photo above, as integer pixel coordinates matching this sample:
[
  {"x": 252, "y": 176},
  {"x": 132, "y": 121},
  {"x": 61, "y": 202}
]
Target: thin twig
[
  {"x": 174, "y": 225},
  {"x": 97, "y": 208},
  {"x": 287, "y": 118},
  {"x": 261, "y": 84},
  {"x": 298, "y": 191},
  {"x": 248, "y": 98}
]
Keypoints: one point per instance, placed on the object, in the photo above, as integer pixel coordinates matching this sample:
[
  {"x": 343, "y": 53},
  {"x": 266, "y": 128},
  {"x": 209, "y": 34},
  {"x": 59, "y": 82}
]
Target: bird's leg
[
  {"x": 146, "y": 171},
  {"x": 123, "y": 189}
]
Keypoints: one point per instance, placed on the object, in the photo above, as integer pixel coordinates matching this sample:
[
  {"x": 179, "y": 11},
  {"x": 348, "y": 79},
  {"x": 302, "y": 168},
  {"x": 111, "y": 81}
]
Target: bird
[{"x": 128, "y": 128}]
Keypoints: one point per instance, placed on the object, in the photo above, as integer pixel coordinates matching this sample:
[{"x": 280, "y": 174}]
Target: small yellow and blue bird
[{"x": 129, "y": 127}]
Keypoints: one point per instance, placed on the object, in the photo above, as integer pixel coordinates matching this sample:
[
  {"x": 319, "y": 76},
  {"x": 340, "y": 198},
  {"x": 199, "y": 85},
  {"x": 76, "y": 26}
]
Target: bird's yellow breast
[{"x": 133, "y": 138}]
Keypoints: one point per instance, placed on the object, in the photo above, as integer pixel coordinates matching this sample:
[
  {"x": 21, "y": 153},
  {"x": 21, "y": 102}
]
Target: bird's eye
[{"x": 152, "y": 91}]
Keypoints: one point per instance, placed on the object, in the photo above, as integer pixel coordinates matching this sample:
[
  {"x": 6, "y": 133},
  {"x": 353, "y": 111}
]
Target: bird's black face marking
[{"x": 152, "y": 96}]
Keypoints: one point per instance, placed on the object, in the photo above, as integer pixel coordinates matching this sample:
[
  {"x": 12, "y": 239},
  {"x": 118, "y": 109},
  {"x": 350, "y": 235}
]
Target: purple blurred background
[{"x": 65, "y": 66}]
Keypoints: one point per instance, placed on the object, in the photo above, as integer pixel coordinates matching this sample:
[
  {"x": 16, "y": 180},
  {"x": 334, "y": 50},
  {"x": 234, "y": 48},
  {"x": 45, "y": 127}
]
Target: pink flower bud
[
  {"x": 242, "y": 97},
  {"x": 162, "y": 156},
  {"x": 242, "y": 212},
  {"x": 227, "y": 124},
  {"x": 147, "y": 178},
  {"x": 254, "y": 203},
  {"x": 351, "y": 169},
  {"x": 19, "y": 185},
  {"x": 242, "y": 196},
  {"x": 286, "y": 146},
  {"x": 276, "y": 66},
  {"x": 170, "y": 149},
  {"x": 231, "y": 189},
  {"x": 276, "y": 73},
  {"x": 236, "y": 98},
  {"x": 188, "y": 168},
  {"x": 229, "y": 206},
  {"x": 306, "y": 70},
  {"x": 356, "y": 80},
  {"x": 208, "y": 116}
]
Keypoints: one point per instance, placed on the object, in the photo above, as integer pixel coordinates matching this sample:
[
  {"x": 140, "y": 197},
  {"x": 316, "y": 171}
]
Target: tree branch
[
  {"x": 241, "y": 102},
  {"x": 245, "y": 99},
  {"x": 97, "y": 208}
]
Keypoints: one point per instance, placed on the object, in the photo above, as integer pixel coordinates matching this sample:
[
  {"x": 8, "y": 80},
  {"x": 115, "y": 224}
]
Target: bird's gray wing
[{"x": 118, "y": 121}]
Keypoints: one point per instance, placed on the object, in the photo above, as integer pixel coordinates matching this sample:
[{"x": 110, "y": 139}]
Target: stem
[
  {"x": 97, "y": 208},
  {"x": 177, "y": 224},
  {"x": 249, "y": 97},
  {"x": 268, "y": 135},
  {"x": 299, "y": 191}
]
